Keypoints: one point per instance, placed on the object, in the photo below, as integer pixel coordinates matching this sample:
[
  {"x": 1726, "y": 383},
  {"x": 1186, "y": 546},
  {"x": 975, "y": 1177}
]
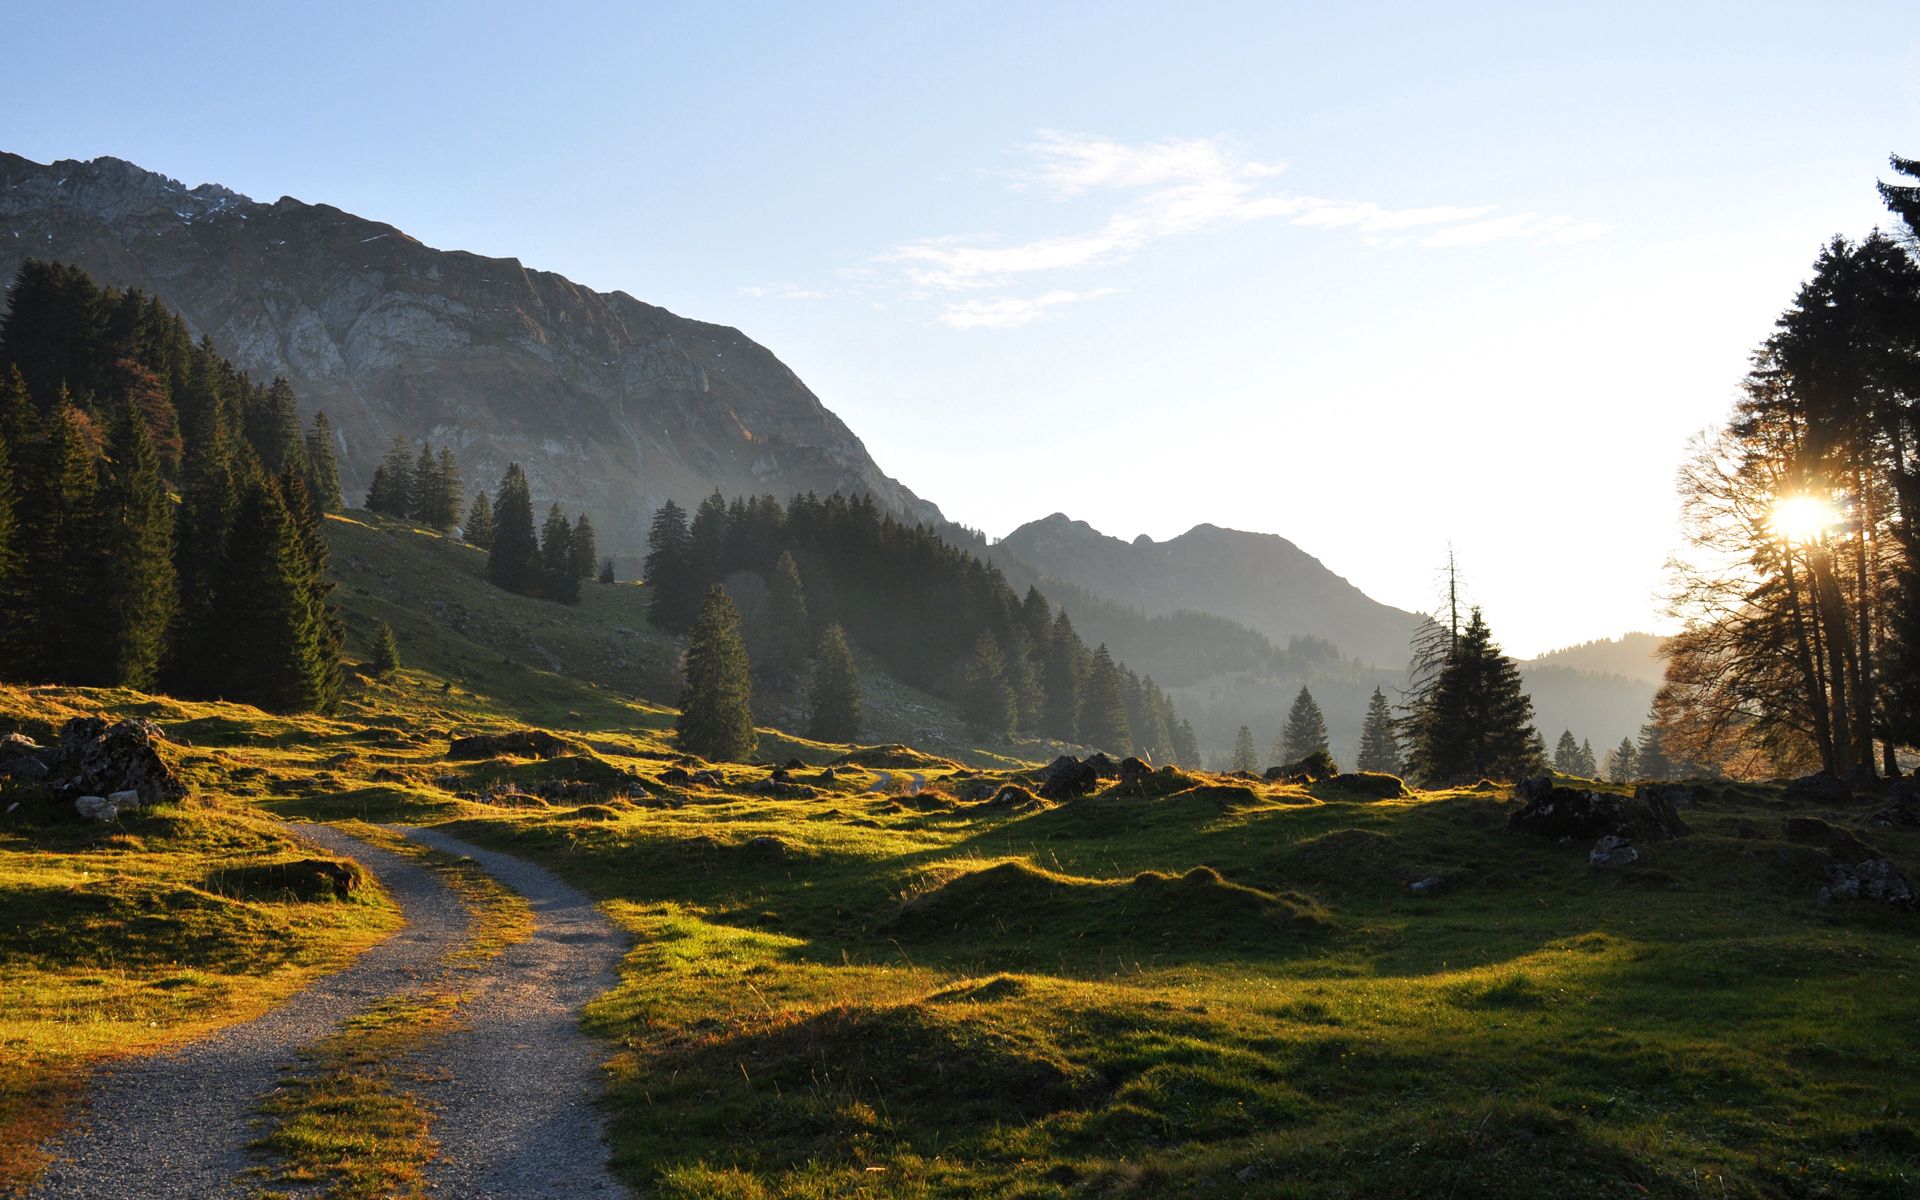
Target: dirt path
[
  {"x": 177, "y": 1124},
  {"x": 513, "y": 1087},
  {"x": 514, "y": 1098},
  {"x": 884, "y": 779}
]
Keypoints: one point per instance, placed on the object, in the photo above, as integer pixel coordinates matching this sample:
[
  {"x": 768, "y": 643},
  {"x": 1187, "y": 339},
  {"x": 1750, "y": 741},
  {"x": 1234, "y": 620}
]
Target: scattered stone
[
  {"x": 676, "y": 777},
  {"x": 1068, "y": 777},
  {"x": 1570, "y": 814},
  {"x": 125, "y": 801},
  {"x": 1875, "y": 879},
  {"x": 96, "y": 808},
  {"x": 1015, "y": 798},
  {"x": 827, "y": 775},
  {"x": 1612, "y": 851},
  {"x": 306, "y": 879},
  {"x": 794, "y": 764},
  {"x": 1427, "y": 886},
  {"x": 1363, "y": 785},
  {"x": 1821, "y": 787},
  {"x": 1133, "y": 770},
  {"x": 516, "y": 743},
  {"x": 94, "y": 758},
  {"x": 1314, "y": 767},
  {"x": 1902, "y": 815},
  {"x": 1103, "y": 767},
  {"x": 708, "y": 778},
  {"x": 29, "y": 767}
]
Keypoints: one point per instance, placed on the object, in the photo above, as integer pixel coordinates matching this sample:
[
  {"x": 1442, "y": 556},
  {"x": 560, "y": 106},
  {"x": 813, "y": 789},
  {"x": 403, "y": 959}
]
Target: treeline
[
  {"x": 936, "y": 616},
  {"x": 108, "y": 409},
  {"x": 550, "y": 565}
]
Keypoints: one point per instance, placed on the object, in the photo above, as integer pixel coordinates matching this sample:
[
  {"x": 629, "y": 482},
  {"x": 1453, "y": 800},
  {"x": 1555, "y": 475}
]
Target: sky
[{"x": 1381, "y": 279}]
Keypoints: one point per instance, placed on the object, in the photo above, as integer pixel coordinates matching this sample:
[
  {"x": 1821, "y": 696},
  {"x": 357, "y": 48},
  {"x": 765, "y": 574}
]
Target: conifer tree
[
  {"x": 273, "y": 428},
  {"x": 11, "y": 629},
  {"x": 1379, "y": 751},
  {"x": 716, "y": 705},
  {"x": 329, "y": 628},
  {"x": 1654, "y": 763},
  {"x": 1306, "y": 730},
  {"x": 423, "y": 494},
  {"x": 1623, "y": 762},
  {"x": 559, "y": 572},
  {"x": 1245, "y": 758},
  {"x": 986, "y": 701},
  {"x": 386, "y": 650},
  {"x": 323, "y": 466},
  {"x": 1103, "y": 709},
  {"x": 1566, "y": 754},
  {"x": 1186, "y": 745},
  {"x": 833, "y": 702},
  {"x": 61, "y": 550},
  {"x": 513, "y": 561},
  {"x": 1062, "y": 678},
  {"x": 478, "y": 531},
  {"x": 790, "y": 627},
  {"x": 444, "y": 506},
  {"x": 209, "y": 503},
  {"x": 391, "y": 493},
  {"x": 707, "y": 541},
  {"x": 586, "y": 549},
  {"x": 606, "y": 570},
  {"x": 1479, "y": 721},
  {"x": 1586, "y": 766},
  {"x": 272, "y": 648},
  {"x": 668, "y": 571},
  {"x": 136, "y": 589}
]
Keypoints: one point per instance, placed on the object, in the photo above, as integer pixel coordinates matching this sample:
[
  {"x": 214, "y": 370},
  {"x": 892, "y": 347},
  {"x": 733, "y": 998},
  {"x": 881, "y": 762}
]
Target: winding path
[
  {"x": 514, "y": 1112},
  {"x": 884, "y": 779}
]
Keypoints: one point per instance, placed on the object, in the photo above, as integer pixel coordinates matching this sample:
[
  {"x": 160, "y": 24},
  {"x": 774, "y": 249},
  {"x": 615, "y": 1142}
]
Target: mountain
[
  {"x": 610, "y": 404},
  {"x": 1634, "y": 655},
  {"x": 1259, "y": 580}
]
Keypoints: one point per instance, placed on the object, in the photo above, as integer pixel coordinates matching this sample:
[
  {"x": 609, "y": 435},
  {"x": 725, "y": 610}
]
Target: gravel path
[
  {"x": 177, "y": 1124},
  {"x": 514, "y": 1087},
  {"x": 883, "y": 779}
]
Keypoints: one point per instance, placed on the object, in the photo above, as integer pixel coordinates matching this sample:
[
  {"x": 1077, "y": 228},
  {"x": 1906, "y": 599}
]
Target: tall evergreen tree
[
  {"x": 986, "y": 701},
  {"x": 273, "y": 649},
  {"x": 323, "y": 466},
  {"x": 1062, "y": 677},
  {"x": 1479, "y": 722},
  {"x": 833, "y": 702},
  {"x": 1186, "y": 745},
  {"x": 1103, "y": 709},
  {"x": 1623, "y": 762},
  {"x": 273, "y": 428},
  {"x": 62, "y": 551},
  {"x": 716, "y": 705},
  {"x": 606, "y": 570},
  {"x": 672, "y": 595},
  {"x": 386, "y": 650},
  {"x": 1379, "y": 750},
  {"x": 1245, "y": 758},
  {"x": 329, "y": 627},
  {"x": 559, "y": 577},
  {"x": 707, "y": 540},
  {"x": 1586, "y": 766},
  {"x": 12, "y": 628},
  {"x": 1306, "y": 730},
  {"x": 478, "y": 530},
  {"x": 513, "y": 561},
  {"x": 209, "y": 503},
  {"x": 136, "y": 590},
  {"x": 586, "y": 548},
  {"x": 443, "y": 512},
  {"x": 423, "y": 496},
  {"x": 391, "y": 493},
  {"x": 1566, "y": 754},
  {"x": 789, "y": 626},
  {"x": 1654, "y": 763}
]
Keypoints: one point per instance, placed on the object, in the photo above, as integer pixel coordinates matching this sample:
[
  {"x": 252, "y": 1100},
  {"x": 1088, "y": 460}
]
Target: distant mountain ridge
[
  {"x": 610, "y": 404},
  {"x": 1260, "y": 580},
  {"x": 1635, "y": 656}
]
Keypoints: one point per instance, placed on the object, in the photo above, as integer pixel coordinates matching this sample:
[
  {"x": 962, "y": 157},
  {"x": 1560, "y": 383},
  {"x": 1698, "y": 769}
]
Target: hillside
[
  {"x": 610, "y": 404},
  {"x": 1634, "y": 656},
  {"x": 1259, "y": 580}
]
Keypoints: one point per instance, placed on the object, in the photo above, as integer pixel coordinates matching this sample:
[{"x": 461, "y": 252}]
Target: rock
[
  {"x": 1427, "y": 886},
  {"x": 1838, "y": 842},
  {"x": 1068, "y": 777},
  {"x": 26, "y": 766},
  {"x": 306, "y": 879},
  {"x": 1902, "y": 815},
  {"x": 1314, "y": 767},
  {"x": 94, "y": 758},
  {"x": 1679, "y": 795},
  {"x": 708, "y": 778},
  {"x": 1133, "y": 770},
  {"x": 96, "y": 808},
  {"x": 676, "y": 777},
  {"x": 1876, "y": 879},
  {"x": 1362, "y": 785},
  {"x": 1102, "y": 766},
  {"x": 765, "y": 844},
  {"x": 1014, "y": 798},
  {"x": 1612, "y": 851},
  {"x": 125, "y": 801},
  {"x": 827, "y": 775},
  {"x": 778, "y": 775},
  {"x": 516, "y": 743},
  {"x": 794, "y": 764},
  {"x": 1564, "y": 813},
  {"x": 1819, "y": 788}
]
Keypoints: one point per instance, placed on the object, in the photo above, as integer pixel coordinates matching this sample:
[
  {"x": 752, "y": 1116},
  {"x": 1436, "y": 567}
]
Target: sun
[{"x": 1803, "y": 518}]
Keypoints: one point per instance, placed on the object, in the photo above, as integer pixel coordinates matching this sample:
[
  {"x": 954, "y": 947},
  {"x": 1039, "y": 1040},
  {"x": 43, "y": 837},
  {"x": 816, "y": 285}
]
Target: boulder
[
  {"x": 1876, "y": 879},
  {"x": 125, "y": 801},
  {"x": 1314, "y": 767},
  {"x": 1904, "y": 814},
  {"x": 306, "y": 879},
  {"x": 1572, "y": 814},
  {"x": 1427, "y": 886},
  {"x": 1133, "y": 770},
  {"x": 1838, "y": 842},
  {"x": 515, "y": 743},
  {"x": 827, "y": 775},
  {"x": 1612, "y": 851},
  {"x": 96, "y": 808},
  {"x": 1102, "y": 766},
  {"x": 1819, "y": 788},
  {"x": 676, "y": 777},
  {"x": 1068, "y": 777},
  {"x": 94, "y": 758}
]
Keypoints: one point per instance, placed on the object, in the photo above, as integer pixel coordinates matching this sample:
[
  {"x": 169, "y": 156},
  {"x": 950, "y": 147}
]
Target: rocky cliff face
[
  {"x": 610, "y": 404},
  {"x": 1262, "y": 581}
]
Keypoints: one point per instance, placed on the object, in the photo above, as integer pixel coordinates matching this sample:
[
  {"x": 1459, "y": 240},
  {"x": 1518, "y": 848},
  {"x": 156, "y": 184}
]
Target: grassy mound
[
  {"x": 1360, "y": 785},
  {"x": 892, "y": 756}
]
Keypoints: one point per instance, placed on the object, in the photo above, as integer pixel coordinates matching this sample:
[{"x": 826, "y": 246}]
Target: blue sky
[{"x": 1376, "y": 279}]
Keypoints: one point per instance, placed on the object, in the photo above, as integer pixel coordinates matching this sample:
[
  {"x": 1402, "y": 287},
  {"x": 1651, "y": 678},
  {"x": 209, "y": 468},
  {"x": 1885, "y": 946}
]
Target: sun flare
[{"x": 1803, "y": 518}]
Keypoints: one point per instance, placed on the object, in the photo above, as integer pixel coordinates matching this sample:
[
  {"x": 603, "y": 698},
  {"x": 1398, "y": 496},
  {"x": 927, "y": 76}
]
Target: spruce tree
[
  {"x": 513, "y": 561},
  {"x": 1062, "y": 679},
  {"x": 559, "y": 579},
  {"x": 478, "y": 531},
  {"x": 1654, "y": 763},
  {"x": 444, "y": 504},
  {"x": 1379, "y": 750},
  {"x": 586, "y": 549},
  {"x": 707, "y": 540},
  {"x": 1306, "y": 731},
  {"x": 391, "y": 493},
  {"x": 986, "y": 701},
  {"x": 1586, "y": 766},
  {"x": 11, "y": 629},
  {"x": 833, "y": 702},
  {"x": 1479, "y": 721},
  {"x": 329, "y": 627},
  {"x": 716, "y": 705},
  {"x": 209, "y": 503},
  {"x": 272, "y": 649},
  {"x": 668, "y": 571},
  {"x": 273, "y": 428},
  {"x": 1623, "y": 763},
  {"x": 423, "y": 492},
  {"x": 1186, "y": 745},
  {"x": 790, "y": 627},
  {"x": 606, "y": 570},
  {"x": 135, "y": 591},
  {"x": 323, "y": 466},
  {"x": 1103, "y": 709},
  {"x": 62, "y": 554},
  {"x": 1566, "y": 754},
  {"x": 1245, "y": 758},
  {"x": 386, "y": 650}
]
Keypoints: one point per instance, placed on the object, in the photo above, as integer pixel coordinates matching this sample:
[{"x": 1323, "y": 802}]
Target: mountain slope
[
  {"x": 610, "y": 404},
  {"x": 1634, "y": 655},
  {"x": 1260, "y": 580}
]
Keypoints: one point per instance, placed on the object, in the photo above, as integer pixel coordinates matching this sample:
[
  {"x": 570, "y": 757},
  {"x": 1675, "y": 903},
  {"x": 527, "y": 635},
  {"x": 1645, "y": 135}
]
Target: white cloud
[{"x": 1012, "y": 311}]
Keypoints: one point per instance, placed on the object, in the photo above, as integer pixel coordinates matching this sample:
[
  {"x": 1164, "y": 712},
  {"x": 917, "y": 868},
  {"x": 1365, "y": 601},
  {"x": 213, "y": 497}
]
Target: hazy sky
[{"x": 1376, "y": 279}]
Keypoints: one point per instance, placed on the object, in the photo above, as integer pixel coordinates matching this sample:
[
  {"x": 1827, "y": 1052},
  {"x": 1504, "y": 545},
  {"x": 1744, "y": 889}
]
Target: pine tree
[
  {"x": 391, "y": 493},
  {"x": 559, "y": 571},
  {"x": 986, "y": 701},
  {"x": 790, "y": 627},
  {"x": 833, "y": 702},
  {"x": 11, "y": 654},
  {"x": 606, "y": 570},
  {"x": 1623, "y": 762},
  {"x": 329, "y": 628},
  {"x": 386, "y": 650},
  {"x": 707, "y": 541},
  {"x": 62, "y": 555},
  {"x": 1306, "y": 731},
  {"x": 1586, "y": 766},
  {"x": 1103, "y": 710},
  {"x": 1245, "y": 758},
  {"x": 716, "y": 705},
  {"x": 668, "y": 570},
  {"x": 513, "y": 561},
  {"x": 1379, "y": 751},
  {"x": 273, "y": 429},
  {"x": 1062, "y": 677},
  {"x": 210, "y": 500},
  {"x": 1479, "y": 721},
  {"x": 1566, "y": 754},
  {"x": 1186, "y": 745},
  {"x": 443, "y": 511},
  {"x": 423, "y": 494},
  {"x": 1654, "y": 763},
  {"x": 478, "y": 531},
  {"x": 586, "y": 549},
  {"x": 323, "y": 466},
  {"x": 272, "y": 649},
  {"x": 136, "y": 590}
]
